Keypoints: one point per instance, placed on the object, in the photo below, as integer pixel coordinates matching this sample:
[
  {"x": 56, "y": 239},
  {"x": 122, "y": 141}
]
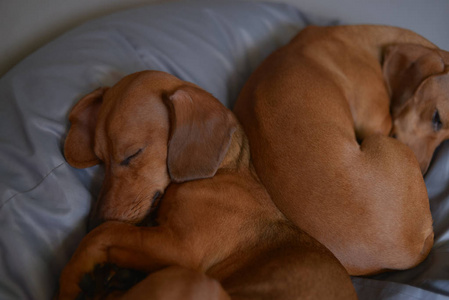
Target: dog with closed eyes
[
  {"x": 342, "y": 123},
  {"x": 166, "y": 142}
]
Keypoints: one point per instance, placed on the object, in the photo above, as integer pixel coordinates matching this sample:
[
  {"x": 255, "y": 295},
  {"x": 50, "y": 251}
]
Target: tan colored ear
[
  {"x": 405, "y": 66},
  {"x": 445, "y": 55},
  {"x": 200, "y": 134},
  {"x": 79, "y": 144}
]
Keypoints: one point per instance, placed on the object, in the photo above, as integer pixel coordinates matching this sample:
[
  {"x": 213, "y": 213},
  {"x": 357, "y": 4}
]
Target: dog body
[
  {"x": 157, "y": 134},
  {"x": 304, "y": 111}
]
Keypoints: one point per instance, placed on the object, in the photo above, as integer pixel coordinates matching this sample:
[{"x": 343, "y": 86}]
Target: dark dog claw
[
  {"x": 87, "y": 285},
  {"x": 81, "y": 296},
  {"x": 125, "y": 279}
]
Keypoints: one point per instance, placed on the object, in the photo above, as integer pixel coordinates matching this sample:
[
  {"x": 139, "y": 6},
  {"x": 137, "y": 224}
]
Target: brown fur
[
  {"x": 154, "y": 132},
  {"x": 304, "y": 111}
]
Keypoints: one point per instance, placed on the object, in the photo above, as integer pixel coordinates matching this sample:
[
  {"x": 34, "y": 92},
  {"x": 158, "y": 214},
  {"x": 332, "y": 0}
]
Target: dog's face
[
  {"x": 148, "y": 130},
  {"x": 418, "y": 79}
]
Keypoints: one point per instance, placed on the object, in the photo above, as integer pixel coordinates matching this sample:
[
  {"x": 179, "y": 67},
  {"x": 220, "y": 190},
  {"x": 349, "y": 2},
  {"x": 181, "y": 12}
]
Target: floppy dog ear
[
  {"x": 79, "y": 144},
  {"x": 200, "y": 134},
  {"x": 405, "y": 66}
]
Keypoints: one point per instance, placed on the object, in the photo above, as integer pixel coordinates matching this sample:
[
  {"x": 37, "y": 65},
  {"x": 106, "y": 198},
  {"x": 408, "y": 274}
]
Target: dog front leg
[{"x": 127, "y": 246}]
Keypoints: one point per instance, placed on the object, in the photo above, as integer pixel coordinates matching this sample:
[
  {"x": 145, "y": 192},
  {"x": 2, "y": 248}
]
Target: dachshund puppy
[
  {"x": 167, "y": 143},
  {"x": 319, "y": 114}
]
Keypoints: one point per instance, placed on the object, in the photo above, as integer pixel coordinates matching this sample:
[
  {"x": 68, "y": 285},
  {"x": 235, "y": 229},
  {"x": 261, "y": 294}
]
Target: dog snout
[{"x": 112, "y": 206}]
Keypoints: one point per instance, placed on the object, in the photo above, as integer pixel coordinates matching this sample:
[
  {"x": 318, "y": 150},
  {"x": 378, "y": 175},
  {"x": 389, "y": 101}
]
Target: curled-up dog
[
  {"x": 166, "y": 142},
  {"x": 322, "y": 114}
]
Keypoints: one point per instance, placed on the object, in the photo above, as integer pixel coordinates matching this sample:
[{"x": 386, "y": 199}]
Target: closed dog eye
[
  {"x": 436, "y": 121},
  {"x": 127, "y": 160}
]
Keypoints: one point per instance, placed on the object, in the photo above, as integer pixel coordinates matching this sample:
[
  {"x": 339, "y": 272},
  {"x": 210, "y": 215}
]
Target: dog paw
[
  {"x": 78, "y": 276},
  {"x": 123, "y": 279},
  {"x": 106, "y": 279}
]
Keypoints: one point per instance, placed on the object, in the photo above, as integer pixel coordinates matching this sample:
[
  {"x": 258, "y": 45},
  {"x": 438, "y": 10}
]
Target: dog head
[
  {"x": 418, "y": 81},
  {"x": 148, "y": 130}
]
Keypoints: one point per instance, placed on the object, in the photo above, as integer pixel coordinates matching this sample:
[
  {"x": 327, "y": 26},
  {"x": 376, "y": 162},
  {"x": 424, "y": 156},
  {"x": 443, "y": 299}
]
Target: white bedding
[{"x": 44, "y": 202}]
